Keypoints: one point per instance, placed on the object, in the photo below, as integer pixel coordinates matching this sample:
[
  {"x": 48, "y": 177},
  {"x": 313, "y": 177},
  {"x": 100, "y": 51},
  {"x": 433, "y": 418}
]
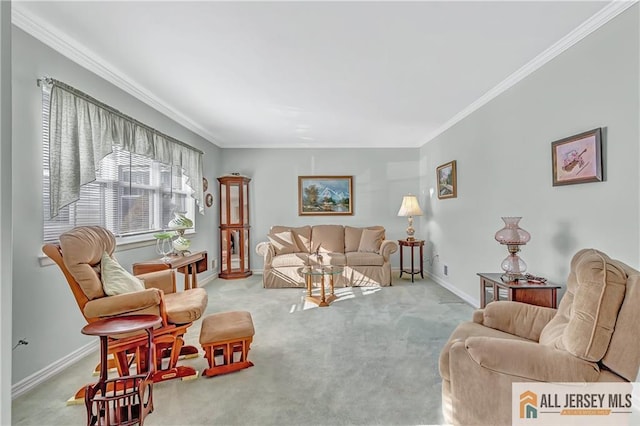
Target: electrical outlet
[
  {"x": 446, "y": 270},
  {"x": 214, "y": 264}
]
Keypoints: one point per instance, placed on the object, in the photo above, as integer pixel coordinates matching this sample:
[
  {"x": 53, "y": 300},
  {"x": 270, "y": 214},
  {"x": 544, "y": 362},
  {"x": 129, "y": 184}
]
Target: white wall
[
  {"x": 5, "y": 212},
  {"x": 503, "y": 154},
  {"x": 44, "y": 310},
  {"x": 380, "y": 178}
]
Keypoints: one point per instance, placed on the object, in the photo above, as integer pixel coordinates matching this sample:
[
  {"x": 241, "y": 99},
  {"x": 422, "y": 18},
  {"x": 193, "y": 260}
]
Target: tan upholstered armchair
[
  {"x": 591, "y": 337},
  {"x": 79, "y": 254}
]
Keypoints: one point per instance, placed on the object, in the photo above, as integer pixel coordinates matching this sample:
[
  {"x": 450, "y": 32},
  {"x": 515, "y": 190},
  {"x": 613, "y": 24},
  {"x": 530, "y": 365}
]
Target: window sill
[{"x": 122, "y": 244}]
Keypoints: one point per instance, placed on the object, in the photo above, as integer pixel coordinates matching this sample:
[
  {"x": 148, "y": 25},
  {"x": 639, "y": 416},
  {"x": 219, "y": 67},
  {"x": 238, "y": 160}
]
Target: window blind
[
  {"x": 131, "y": 194},
  {"x": 82, "y": 131}
]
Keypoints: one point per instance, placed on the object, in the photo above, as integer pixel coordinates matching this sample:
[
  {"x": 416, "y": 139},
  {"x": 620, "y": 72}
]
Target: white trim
[
  {"x": 208, "y": 279},
  {"x": 83, "y": 56},
  {"x": 605, "y": 14},
  {"x": 51, "y": 370},
  {"x": 464, "y": 296}
]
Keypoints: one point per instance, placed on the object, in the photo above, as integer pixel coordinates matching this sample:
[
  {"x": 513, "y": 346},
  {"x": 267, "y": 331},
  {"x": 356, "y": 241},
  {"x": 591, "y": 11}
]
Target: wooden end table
[
  {"x": 533, "y": 293},
  {"x": 412, "y": 244},
  {"x": 190, "y": 265},
  {"x": 124, "y": 400}
]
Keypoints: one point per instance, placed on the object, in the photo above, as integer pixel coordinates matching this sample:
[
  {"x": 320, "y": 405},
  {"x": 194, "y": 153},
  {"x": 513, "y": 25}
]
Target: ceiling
[{"x": 310, "y": 74}]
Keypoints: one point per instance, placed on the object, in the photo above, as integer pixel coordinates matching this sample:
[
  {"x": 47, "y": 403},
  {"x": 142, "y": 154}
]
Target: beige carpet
[{"x": 371, "y": 358}]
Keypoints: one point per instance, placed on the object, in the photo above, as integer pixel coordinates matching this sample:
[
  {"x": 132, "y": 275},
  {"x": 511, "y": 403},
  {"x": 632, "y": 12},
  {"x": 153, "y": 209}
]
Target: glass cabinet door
[{"x": 234, "y": 227}]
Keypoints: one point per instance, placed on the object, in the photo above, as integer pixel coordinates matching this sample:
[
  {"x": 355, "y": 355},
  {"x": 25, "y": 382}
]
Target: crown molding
[
  {"x": 86, "y": 58},
  {"x": 94, "y": 63},
  {"x": 596, "y": 21}
]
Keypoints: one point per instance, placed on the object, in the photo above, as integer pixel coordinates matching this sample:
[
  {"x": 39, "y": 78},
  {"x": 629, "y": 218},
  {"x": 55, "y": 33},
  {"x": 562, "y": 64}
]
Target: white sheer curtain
[{"x": 83, "y": 131}]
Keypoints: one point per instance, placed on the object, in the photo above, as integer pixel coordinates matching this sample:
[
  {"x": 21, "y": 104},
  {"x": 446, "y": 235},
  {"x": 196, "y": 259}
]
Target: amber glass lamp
[{"x": 512, "y": 236}]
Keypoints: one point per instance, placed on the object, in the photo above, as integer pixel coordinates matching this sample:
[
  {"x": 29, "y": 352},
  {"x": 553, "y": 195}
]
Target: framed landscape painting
[
  {"x": 447, "y": 183},
  {"x": 325, "y": 195},
  {"x": 577, "y": 159}
]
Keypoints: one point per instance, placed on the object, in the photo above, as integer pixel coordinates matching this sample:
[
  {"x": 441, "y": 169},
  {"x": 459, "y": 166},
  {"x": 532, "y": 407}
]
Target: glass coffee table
[{"x": 310, "y": 272}]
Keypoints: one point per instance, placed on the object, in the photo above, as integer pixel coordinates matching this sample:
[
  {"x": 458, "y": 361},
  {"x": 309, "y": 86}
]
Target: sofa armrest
[
  {"x": 127, "y": 303},
  {"x": 266, "y": 250},
  {"x": 520, "y": 319},
  {"x": 387, "y": 248},
  {"x": 162, "y": 280},
  {"x": 529, "y": 360}
]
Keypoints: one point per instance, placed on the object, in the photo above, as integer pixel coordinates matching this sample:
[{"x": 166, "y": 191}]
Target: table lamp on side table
[
  {"x": 513, "y": 237},
  {"x": 410, "y": 208}
]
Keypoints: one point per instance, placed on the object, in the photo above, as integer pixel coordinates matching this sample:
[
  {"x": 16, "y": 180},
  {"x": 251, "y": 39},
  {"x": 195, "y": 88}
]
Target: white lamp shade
[{"x": 410, "y": 206}]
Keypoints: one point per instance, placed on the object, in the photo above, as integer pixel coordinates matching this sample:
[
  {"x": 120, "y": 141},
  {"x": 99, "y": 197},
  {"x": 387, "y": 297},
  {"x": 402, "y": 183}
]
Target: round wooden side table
[
  {"x": 124, "y": 400},
  {"x": 411, "y": 244}
]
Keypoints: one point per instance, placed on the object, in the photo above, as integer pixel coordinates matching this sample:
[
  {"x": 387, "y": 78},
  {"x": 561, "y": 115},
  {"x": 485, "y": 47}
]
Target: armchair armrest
[
  {"x": 478, "y": 316},
  {"x": 520, "y": 319},
  {"x": 266, "y": 250},
  {"x": 387, "y": 248},
  {"x": 127, "y": 303},
  {"x": 162, "y": 280},
  {"x": 529, "y": 360}
]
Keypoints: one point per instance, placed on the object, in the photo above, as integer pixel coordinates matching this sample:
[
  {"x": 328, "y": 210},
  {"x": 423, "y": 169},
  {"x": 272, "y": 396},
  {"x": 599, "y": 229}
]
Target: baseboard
[
  {"x": 464, "y": 296},
  {"x": 206, "y": 280},
  {"x": 37, "y": 378}
]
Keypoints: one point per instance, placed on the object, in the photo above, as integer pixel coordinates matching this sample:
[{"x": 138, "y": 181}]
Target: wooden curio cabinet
[{"x": 234, "y": 227}]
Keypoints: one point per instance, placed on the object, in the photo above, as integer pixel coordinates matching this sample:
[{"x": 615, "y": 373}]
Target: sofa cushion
[
  {"x": 335, "y": 259},
  {"x": 327, "y": 238},
  {"x": 115, "y": 279},
  {"x": 186, "y": 306},
  {"x": 82, "y": 250},
  {"x": 364, "y": 259},
  {"x": 353, "y": 235},
  {"x": 283, "y": 242},
  {"x": 291, "y": 259},
  {"x": 302, "y": 235},
  {"x": 371, "y": 240}
]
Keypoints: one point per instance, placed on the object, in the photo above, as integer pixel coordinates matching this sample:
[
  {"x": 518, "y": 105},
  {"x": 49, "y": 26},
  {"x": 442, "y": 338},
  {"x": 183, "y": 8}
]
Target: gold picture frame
[
  {"x": 447, "y": 182},
  {"x": 325, "y": 195}
]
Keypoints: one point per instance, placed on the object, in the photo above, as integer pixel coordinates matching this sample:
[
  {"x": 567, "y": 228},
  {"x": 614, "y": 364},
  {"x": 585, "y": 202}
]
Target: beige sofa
[
  {"x": 364, "y": 253},
  {"x": 591, "y": 337}
]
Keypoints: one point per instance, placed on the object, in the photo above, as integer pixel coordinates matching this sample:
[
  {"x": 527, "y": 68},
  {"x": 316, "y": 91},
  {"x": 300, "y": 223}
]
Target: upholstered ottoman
[{"x": 226, "y": 339}]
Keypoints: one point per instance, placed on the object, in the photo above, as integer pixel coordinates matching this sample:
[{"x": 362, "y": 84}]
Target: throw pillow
[
  {"x": 371, "y": 240},
  {"x": 284, "y": 242},
  {"x": 115, "y": 279}
]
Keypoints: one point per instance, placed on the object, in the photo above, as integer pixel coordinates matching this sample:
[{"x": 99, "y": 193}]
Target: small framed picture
[
  {"x": 325, "y": 195},
  {"x": 447, "y": 182},
  {"x": 578, "y": 158}
]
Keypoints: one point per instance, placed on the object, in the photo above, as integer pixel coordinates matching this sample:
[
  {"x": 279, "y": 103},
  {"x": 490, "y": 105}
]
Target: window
[{"x": 131, "y": 195}]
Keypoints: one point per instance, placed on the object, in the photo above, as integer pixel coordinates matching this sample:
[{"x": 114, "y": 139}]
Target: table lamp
[
  {"x": 513, "y": 237},
  {"x": 410, "y": 208}
]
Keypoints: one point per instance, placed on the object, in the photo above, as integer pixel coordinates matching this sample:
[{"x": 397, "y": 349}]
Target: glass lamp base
[{"x": 513, "y": 267}]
